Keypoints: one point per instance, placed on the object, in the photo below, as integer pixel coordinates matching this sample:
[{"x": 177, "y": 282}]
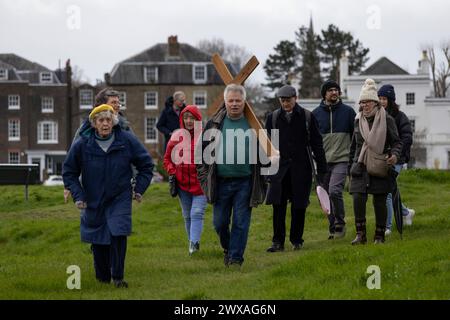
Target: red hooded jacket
[{"x": 185, "y": 172}]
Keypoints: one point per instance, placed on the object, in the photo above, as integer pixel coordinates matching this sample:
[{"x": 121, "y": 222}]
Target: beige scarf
[{"x": 374, "y": 138}]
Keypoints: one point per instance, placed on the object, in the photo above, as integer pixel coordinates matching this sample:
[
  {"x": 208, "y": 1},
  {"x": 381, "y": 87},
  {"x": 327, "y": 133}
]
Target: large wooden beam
[
  {"x": 253, "y": 121},
  {"x": 227, "y": 77}
]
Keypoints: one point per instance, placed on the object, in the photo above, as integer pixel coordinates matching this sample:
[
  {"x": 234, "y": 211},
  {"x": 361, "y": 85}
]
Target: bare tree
[
  {"x": 440, "y": 72},
  {"x": 235, "y": 54},
  {"x": 443, "y": 72},
  {"x": 78, "y": 76}
]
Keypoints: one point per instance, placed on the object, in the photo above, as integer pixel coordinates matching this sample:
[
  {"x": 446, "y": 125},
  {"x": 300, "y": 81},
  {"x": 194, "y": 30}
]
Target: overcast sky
[{"x": 96, "y": 34}]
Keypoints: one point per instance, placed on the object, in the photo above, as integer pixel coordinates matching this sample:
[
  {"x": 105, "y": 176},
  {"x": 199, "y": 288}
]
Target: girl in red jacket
[{"x": 179, "y": 162}]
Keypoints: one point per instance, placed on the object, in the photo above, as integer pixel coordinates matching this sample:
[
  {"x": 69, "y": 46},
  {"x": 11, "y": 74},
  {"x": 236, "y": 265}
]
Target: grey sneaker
[
  {"x": 408, "y": 218},
  {"x": 193, "y": 247}
]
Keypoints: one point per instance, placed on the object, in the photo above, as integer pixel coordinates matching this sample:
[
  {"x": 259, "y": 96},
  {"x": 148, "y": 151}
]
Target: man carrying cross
[{"x": 232, "y": 186}]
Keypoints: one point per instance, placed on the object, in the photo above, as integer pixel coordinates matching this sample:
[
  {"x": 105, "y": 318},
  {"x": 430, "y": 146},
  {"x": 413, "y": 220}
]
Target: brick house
[
  {"x": 33, "y": 102},
  {"x": 146, "y": 80}
]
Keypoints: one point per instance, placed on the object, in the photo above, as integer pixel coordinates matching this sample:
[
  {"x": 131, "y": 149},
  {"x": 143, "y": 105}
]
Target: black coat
[
  {"x": 405, "y": 132},
  {"x": 294, "y": 157},
  {"x": 360, "y": 180},
  {"x": 168, "y": 121}
]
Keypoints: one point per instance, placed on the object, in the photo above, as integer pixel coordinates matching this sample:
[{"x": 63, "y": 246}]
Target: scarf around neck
[{"x": 374, "y": 138}]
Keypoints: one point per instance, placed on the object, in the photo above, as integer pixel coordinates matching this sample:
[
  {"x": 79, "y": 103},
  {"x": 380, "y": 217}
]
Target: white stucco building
[{"x": 430, "y": 117}]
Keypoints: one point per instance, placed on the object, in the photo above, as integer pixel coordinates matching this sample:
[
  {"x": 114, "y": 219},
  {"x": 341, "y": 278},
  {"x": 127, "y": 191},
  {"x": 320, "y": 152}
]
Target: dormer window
[
  {"x": 3, "y": 74},
  {"x": 199, "y": 73},
  {"x": 151, "y": 74},
  {"x": 45, "y": 77}
]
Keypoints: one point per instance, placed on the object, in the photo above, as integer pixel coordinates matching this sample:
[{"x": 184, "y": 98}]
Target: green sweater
[{"x": 238, "y": 153}]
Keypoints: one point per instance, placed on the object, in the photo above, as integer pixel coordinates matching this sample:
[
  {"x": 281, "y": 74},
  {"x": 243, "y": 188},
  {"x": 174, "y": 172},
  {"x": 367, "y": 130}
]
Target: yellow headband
[{"x": 100, "y": 108}]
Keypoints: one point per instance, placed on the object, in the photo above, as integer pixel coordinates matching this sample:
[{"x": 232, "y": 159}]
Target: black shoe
[
  {"x": 226, "y": 258},
  {"x": 331, "y": 236},
  {"x": 235, "y": 263},
  {"x": 276, "y": 247},
  {"x": 297, "y": 246},
  {"x": 120, "y": 284}
]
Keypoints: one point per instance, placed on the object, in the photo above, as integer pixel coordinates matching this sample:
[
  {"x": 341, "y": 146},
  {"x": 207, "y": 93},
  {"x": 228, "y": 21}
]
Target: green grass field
[{"x": 40, "y": 239}]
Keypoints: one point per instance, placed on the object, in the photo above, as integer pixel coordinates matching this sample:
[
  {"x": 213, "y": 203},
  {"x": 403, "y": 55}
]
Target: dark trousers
[
  {"x": 109, "y": 260},
  {"x": 379, "y": 205},
  {"x": 279, "y": 217},
  {"x": 334, "y": 182}
]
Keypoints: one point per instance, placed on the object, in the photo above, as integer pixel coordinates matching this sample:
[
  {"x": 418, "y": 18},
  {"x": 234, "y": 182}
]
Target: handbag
[
  {"x": 173, "y": 186},
  {"x": 376, "y": 164}
]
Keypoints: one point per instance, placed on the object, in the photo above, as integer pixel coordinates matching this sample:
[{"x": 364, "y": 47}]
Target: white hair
[
  {"x": 106, "y": 113},
  {"x": 234, "y": 88},
  {"x": 178, "y": 94}
]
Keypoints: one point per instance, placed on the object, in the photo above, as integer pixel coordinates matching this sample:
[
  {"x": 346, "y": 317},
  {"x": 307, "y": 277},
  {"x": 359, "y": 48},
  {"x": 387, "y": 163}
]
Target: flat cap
[{"x": 286, "y": 91}]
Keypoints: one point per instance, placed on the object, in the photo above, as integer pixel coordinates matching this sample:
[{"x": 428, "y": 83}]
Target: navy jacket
[
  {"x": 106, "y": 183},
  {"x": 168, "y": 121},
  {"x": 336, "y": 124}
]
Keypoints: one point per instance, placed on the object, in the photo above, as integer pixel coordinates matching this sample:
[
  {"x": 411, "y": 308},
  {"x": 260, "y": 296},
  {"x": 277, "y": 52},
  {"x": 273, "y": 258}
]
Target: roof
[
  {"x": 159, "y": 53},
  {"x": 20, "y": 63},
  {"x": 171, "y": 69},
  {"x": 22, "y": 69},
  {"x": 383, "y": 66}
]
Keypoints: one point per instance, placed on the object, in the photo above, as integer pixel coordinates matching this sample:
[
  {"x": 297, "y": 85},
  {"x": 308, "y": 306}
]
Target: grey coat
[
  {"x": 360, "y": 180},
  {"x": 207, "y": 173}
]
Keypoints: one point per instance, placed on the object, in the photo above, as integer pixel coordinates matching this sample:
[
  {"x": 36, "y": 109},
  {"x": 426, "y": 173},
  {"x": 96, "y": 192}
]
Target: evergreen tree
[
  {"x": 310, "y": 79},
  {"x": 281, "y": 65},
  {"x": 333, "y": 44}
]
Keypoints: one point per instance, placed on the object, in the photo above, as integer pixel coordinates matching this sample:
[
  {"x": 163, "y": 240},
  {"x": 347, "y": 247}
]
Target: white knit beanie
[{"x": 369, "y": 91}]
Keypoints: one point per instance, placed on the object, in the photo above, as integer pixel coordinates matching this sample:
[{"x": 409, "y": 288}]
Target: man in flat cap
[
  {"x": 298, "y": 129},
  {"x": 336, "y": 123}
]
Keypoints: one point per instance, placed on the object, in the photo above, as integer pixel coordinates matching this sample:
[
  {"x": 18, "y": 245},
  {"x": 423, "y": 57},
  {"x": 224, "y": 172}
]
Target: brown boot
[
  {"x": 379, "y": 235},
  {"x": 360, "y": 233}
]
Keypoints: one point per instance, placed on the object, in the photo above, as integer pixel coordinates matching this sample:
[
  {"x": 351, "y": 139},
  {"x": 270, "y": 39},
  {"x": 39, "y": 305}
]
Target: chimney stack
[{"x": 174, "y": 46}]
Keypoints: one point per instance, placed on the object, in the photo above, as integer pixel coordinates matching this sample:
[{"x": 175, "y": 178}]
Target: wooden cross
[{"x": 253, "y": 121}]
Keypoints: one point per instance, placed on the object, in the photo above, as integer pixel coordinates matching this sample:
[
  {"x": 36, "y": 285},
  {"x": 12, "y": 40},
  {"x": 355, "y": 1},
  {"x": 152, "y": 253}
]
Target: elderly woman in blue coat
[{"x": 103, "y": 158}]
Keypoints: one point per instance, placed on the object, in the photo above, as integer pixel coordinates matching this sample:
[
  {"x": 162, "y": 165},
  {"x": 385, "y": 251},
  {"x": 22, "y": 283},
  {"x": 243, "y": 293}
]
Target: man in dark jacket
[
  {"x": 233, "y": 186},
  {"x": 294, "y": 178},
  {"x": 336, "y": 121},
  {"x": 169, "y": 120}
]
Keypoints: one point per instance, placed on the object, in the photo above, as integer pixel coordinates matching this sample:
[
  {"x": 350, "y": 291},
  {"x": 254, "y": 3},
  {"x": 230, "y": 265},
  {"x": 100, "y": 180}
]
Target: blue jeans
[
  {"x": 233, "y": 195},
  {"x": 193, "y": 209},
  {"x": 389, "y": 205}
]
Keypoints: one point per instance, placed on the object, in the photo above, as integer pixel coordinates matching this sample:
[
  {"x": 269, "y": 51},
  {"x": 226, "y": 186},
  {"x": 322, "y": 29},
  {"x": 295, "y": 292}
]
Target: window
[
  {"x": 123, "y": 100},
  {"x": 410, "y": 98},
  {"x": 45, "y": 77},
  {"x": 49, "y": 166},
  {"x": 13, "y": 157},
  {"x": 47, "y": 104},
  {"x": 151, "y": 100},
  {"x": 47, "y": 132},
  {"x": 200, "y": 99},
  {"x": 151, "y": 74},
  {"x": 86, "y": 99},
  {"x": 413, "y": 125},
  {"x": 13, "y": 102},
  {"x": 199, "y": 73},
  {"x": 151, "y": 134},
  {"x": 14, "y": 130},
  {"x": 3, "y": 74}
]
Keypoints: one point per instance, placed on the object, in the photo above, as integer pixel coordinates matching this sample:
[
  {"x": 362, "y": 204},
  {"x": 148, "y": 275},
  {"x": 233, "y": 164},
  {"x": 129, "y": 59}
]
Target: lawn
[{"x": 39, "y": 239}]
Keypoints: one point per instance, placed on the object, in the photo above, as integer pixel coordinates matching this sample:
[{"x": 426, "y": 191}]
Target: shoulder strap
[
  {"x": 308, "y": 125},
  {"x": 275, "y": 115}
]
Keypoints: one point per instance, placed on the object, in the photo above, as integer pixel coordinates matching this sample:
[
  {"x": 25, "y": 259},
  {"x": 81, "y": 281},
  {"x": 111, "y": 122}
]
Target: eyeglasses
[{"x": 365, "y": 102}]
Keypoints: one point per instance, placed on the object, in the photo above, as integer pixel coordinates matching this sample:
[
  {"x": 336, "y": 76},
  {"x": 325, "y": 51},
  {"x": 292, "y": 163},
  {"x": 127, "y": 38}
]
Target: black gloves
[{"x": 173, "y": 186}]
